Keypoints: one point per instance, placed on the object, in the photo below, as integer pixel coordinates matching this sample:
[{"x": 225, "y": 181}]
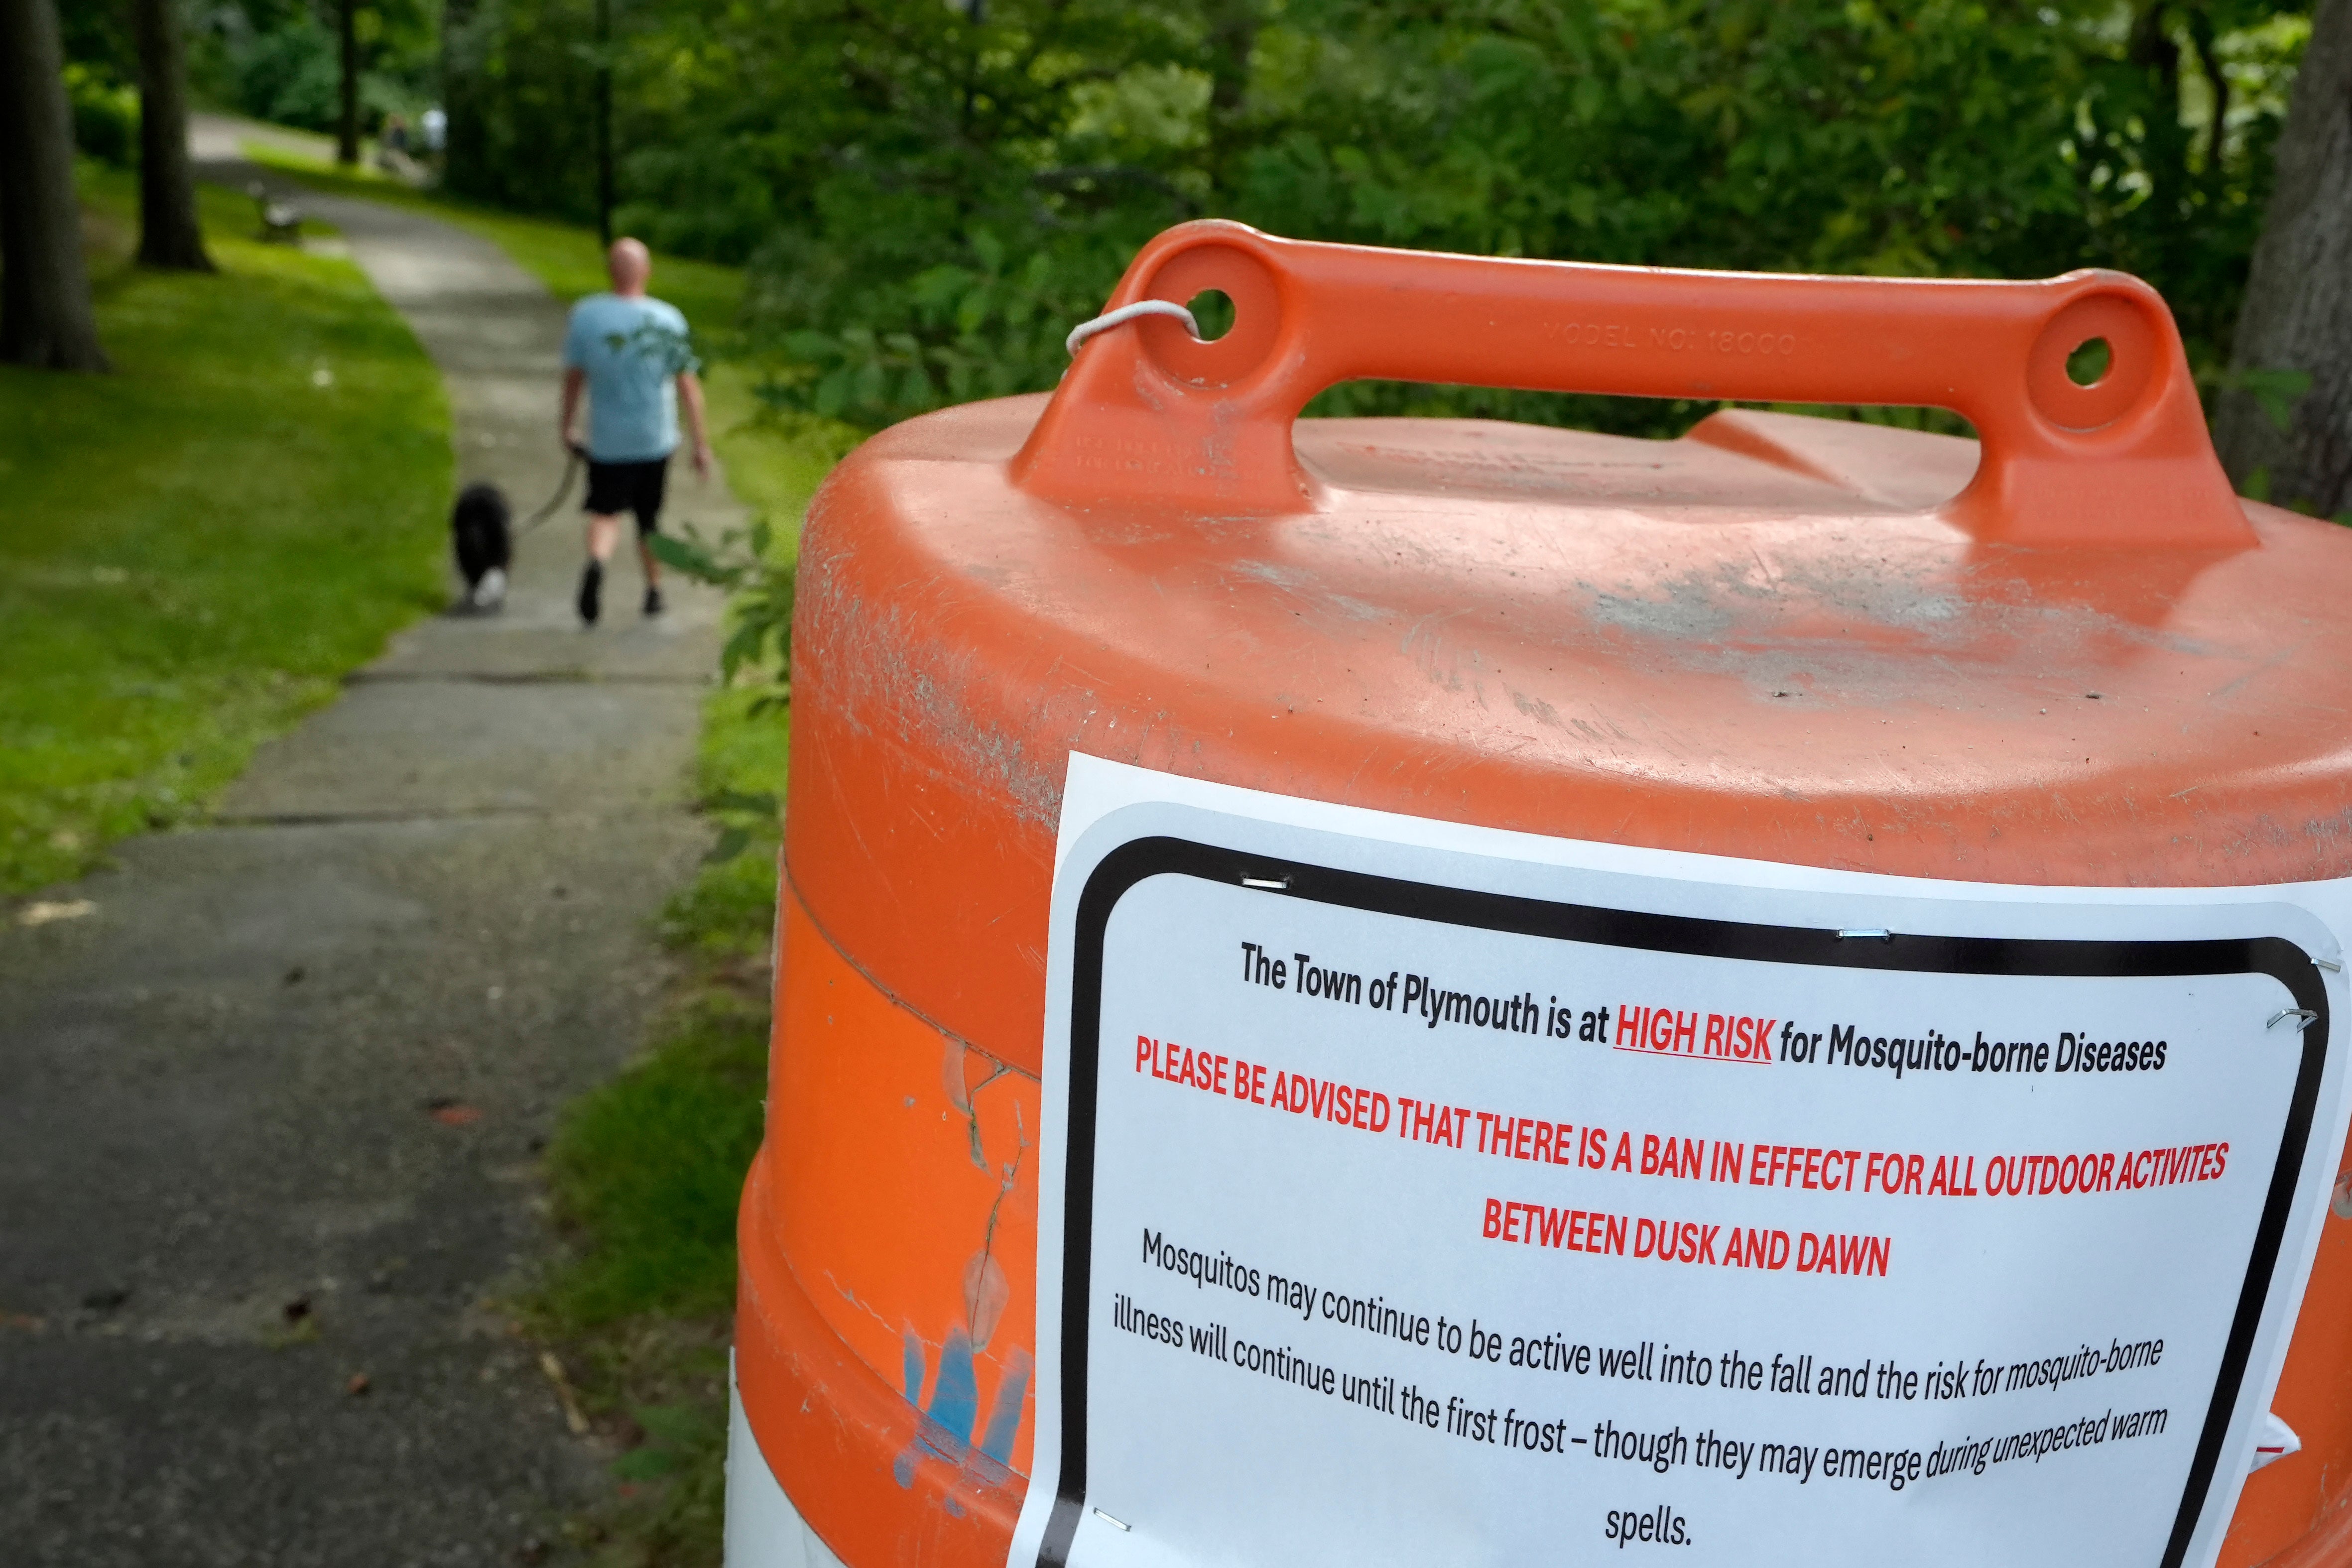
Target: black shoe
[
  {"x": 652, "y": 600},
  {"x": 591, "y": 592}
]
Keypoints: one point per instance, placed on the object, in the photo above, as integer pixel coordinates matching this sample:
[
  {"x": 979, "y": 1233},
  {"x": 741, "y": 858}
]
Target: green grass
[
  {"x": 648, "y": 1168},
  {"x": 646, "y": 1172},
  {"x": 194, "y": 547}
]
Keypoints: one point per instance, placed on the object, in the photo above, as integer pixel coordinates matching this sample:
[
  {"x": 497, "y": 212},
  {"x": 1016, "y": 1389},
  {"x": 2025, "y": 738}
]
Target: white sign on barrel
[{"x": 1419, "y": 1193}]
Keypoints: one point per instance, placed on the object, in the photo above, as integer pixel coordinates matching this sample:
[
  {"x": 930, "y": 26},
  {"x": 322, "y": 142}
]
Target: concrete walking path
[{"x": 270, "y": 1116}]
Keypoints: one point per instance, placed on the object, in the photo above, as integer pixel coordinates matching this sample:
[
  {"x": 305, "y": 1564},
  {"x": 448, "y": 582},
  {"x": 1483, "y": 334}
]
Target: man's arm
[
  {"x": 574, "y": 378},
  {"x": 689, "y": 397}
]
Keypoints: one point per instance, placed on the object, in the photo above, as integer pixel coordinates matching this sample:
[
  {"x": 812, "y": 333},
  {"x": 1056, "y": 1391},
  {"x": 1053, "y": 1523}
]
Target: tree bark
[
  {"x": 2298, "y": 310},
  {"x": 45, "y": 311},
  {"x": 168, "y": 234},
  {"x": 461, "y": 154},
  {"x": 347, "y": 124}
]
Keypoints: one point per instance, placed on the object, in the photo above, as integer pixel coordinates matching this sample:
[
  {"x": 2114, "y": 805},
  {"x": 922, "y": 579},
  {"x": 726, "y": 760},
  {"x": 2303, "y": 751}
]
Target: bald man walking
[{"x": 631, "y": 352}]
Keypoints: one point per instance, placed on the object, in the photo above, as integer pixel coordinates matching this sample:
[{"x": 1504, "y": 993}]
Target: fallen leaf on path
[
  {"x": 41, "y": 913},
  {"x": 357, "y": 1385},
  {"x": 453, "y": 1112},
  {"x": 573, "y": 1416},
  {"x": 24, "y": 1321}
]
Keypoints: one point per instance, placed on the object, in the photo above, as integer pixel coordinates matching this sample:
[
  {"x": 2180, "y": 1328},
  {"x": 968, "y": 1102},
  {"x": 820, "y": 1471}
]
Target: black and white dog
[{"x": 479, "y": 527}]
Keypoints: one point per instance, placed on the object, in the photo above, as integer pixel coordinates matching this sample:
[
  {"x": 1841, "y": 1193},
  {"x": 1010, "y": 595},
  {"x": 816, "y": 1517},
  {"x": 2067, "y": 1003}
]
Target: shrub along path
[{"x": 268, "y": 1114}]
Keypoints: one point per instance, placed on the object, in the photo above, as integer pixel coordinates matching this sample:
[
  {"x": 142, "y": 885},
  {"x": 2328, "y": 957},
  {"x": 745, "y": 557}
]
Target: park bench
[{"x": 280, "y": 221}]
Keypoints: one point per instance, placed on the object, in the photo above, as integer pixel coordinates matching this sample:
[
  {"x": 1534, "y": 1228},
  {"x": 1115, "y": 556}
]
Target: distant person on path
[
  {"x": 632, "y": 353},
  {"x": 392, "y": 147}
]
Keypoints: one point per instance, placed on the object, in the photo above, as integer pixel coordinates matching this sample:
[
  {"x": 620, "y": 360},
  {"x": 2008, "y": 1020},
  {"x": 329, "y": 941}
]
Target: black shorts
[{"x": 617, "y": 487}]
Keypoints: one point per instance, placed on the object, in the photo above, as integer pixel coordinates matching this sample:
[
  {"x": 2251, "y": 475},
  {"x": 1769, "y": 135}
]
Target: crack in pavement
[{"x": 523, "y": 678}]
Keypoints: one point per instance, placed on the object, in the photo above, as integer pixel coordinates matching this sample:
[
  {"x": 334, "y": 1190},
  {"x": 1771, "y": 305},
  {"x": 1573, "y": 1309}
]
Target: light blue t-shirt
[{"x": 633, "y": 351}]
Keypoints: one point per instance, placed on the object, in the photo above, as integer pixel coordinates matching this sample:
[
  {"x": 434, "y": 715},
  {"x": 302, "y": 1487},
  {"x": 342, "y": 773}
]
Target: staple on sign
[
  {"x": 2304, "y": 1017},
  {"x": 1865, "y": 934}
]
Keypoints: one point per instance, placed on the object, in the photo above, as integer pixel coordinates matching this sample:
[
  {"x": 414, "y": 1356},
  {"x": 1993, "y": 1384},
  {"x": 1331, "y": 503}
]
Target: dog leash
[{"x": 562, "y": 489}]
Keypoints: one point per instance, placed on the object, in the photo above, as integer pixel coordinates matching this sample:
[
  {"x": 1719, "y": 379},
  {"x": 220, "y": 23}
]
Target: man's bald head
[{"x": 630, "y": 265}]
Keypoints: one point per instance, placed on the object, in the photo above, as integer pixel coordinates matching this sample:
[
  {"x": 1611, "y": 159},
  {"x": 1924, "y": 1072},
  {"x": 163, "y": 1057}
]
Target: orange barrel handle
[{"x": 1148, "y": 415}]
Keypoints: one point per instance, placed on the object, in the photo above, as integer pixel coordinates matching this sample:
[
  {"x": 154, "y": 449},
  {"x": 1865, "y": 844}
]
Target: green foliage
[
  {"x": 759, "y": 584},
  {"x": 987, "y": 326},
  {"x": 522, "y": 77},
  {"x": 759, "y": 589},
  {"x": 105, "y": 115},
  {"x": 280, "y": 60},
  {"x": 193, "y": 548},
  {"x": 662, "y": 1384},
  {"x": 931, "y": 195},
  {"x": 98, "y": 40},
  {"x": 647, "y": 1170},
  {"x": 949, "y": 196},
  {"x": 679, "y": 1441},
  {"x": 291, "y": 74}
]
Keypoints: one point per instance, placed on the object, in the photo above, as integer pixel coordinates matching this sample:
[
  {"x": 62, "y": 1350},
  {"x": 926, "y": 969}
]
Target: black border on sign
[{"x": 1133, "y": 863}]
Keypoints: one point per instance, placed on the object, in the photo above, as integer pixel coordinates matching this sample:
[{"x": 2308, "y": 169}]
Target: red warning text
[
  {"x": 1676, "y": 1031},
  {"x": 1687, "y": 1241},
  {"x": 1325, "y": 1099}
]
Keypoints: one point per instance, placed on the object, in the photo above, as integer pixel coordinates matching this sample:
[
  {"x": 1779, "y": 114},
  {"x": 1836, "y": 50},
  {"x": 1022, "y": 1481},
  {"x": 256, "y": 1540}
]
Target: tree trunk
[
  {"x": 462, "y": 153},
  {"x": 168, "y": 234},
  {"x": 45, "y": 311},
  {"x": 2298, "y": 309},
  {"x": 347, "y": 125}
]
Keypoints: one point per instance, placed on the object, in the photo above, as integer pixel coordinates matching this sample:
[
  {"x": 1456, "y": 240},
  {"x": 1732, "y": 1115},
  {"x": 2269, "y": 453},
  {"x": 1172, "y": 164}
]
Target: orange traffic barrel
[{"x": 1412, "y": 991}]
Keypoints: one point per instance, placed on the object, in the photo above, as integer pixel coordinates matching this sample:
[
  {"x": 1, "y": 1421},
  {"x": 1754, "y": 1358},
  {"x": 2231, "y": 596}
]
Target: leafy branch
[
  {"x": 760, "y": 599},
  {"x": 759, "y": 603}
]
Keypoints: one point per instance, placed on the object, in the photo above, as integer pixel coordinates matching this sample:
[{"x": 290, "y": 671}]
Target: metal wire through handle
[{"x": 1126, "y": 313}]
